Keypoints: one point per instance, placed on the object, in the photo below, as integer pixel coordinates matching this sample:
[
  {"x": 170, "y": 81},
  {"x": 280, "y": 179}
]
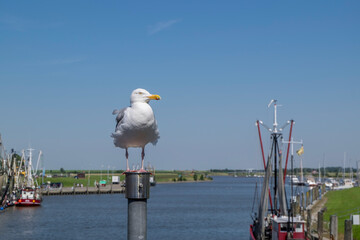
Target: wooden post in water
[
  {"x": 348, "y": 230},
  {"x": 302, "y": 200},
  {"x": 320, "y": 224},
  {"x": 302, "y": 209},
  {"x": 333, "y": 227},
  {"x": 297, "y": 205},
  {"x": 308, "y": 223},
  {"x": 307, "y": 198},
  {"x": 313, "y": 195}
]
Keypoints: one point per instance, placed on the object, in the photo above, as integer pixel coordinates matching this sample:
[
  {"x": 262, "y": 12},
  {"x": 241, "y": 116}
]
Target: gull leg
[
  {"x": 127, "y": 160},
  {"x": 142, "y": 160}
]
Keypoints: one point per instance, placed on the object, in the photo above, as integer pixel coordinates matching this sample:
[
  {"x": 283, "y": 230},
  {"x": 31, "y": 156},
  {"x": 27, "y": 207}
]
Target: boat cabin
[
  {"x": 280, "y": 228},
  {"x": 27, "y": 193}
]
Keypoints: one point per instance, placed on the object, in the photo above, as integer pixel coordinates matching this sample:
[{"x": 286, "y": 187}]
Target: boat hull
[
  {"x": 28, "y": 202},
  {"x": 252, "y": 237}
]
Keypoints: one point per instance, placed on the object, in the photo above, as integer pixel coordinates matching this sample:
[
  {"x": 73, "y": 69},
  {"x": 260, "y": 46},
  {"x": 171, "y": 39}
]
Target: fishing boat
[
  {"x": 6, "y": 176},
  {"x": 30, "y": 195},
  {"x": 276, "y": 221}
]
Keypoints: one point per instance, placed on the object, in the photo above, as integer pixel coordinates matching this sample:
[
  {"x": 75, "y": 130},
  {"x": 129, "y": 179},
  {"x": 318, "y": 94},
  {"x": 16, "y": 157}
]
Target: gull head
[{"x": 141, "y": 95}]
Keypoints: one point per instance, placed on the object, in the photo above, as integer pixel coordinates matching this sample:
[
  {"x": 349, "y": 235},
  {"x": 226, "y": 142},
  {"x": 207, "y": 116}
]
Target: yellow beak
[{"x": 154, "y": 97}]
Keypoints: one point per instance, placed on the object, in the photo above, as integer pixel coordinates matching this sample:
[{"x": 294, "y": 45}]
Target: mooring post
[
  {"x": 137, "y": 191},
  {"x": 312, "y": 196},
  {"x": 302, "y": 200},
  {"x": 297, "y": 205},
  {"x": 307, "y": 198},
  {"x": 320, "y": 224},
  {"x": 348, "y": 230},
  {"x": 333, "y": 227},
  {"x": 308, "y": 223}
]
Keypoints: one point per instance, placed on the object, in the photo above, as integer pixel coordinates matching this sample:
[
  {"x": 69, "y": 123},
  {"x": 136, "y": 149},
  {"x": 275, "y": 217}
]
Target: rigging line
[{"x": 288, "y": 148}]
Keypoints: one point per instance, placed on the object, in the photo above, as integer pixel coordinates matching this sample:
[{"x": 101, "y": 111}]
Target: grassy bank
[
  {"x": 68, "y": 180},
  {"x": 343, "y": 203}
]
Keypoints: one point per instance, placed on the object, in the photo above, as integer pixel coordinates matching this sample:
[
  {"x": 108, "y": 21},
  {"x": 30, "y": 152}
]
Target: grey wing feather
[{"x": 119, "y": 117}]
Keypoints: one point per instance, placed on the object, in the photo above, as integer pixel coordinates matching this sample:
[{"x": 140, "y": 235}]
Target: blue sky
[{"x": 64, "y": 66}]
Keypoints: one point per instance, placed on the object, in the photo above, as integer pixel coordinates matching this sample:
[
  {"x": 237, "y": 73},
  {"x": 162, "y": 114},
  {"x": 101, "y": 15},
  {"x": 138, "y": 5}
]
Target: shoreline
[{"x": 172, "y": 182}]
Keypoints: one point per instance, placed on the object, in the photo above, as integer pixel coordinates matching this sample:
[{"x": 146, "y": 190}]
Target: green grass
[
  {"x": 70, "y": 181},
  {"x": 161, "y": 176},
  {"x": 343, "y": 203}
]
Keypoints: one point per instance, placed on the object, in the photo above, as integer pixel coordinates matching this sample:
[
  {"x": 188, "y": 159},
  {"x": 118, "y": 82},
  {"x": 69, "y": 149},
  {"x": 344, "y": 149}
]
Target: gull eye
[{"x": 141, "y": 93}]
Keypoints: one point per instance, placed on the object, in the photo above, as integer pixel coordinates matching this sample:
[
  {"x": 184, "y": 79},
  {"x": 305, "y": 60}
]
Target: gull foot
[{"x": 142, "y": 171}]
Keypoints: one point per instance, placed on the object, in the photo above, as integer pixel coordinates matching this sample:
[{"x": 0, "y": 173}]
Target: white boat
[
  {"x": 295, "y": 180},
  {"x": 310, "y": 182},
  {"x": 344, "y": 184},
  {"x": 328, "y": 183}
]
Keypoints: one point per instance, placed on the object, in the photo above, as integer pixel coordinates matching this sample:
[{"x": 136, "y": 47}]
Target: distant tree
[
  {"x": 201, "y": 177},
  {"x": 62, "y": 170},
  {"x": 195, "y": 177}
]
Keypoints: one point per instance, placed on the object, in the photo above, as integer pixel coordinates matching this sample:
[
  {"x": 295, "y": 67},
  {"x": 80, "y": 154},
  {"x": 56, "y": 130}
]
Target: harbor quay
[{"x": 109, "y": 189}]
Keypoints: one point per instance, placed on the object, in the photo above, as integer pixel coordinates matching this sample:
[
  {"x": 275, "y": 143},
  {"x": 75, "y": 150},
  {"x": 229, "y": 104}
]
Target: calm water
[{"x": 211, "y": 210}]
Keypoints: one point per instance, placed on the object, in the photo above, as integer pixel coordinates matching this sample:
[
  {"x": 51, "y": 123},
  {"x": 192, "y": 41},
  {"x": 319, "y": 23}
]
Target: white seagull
[{"x": 136, "y": 125}]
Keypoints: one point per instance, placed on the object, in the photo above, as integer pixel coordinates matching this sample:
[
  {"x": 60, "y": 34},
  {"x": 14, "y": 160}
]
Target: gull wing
[{"x": 120, "y": 116}]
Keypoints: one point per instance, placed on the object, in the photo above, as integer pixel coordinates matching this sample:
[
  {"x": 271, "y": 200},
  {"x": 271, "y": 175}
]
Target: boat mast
[
  {"x": 275, "y": 153},
  {"x": 30, "y": 182},
  {"x": 324, "y": 174},
  {"x": 344, "y": 165}
]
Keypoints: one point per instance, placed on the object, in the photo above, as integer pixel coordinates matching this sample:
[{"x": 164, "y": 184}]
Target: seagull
[{"x": 136, "y": 125}]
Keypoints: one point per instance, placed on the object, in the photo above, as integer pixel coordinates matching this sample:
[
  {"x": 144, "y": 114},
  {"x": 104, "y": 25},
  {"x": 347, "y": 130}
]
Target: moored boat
[
  {"x": 274, "y": 219},
  {"x": 29, "y": 197}
]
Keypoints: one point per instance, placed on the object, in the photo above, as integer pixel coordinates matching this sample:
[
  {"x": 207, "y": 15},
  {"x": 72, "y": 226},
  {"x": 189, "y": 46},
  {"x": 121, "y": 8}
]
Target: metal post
[
  {"x": 333, "y": 227},
  {"x": 137, "y": 191}
]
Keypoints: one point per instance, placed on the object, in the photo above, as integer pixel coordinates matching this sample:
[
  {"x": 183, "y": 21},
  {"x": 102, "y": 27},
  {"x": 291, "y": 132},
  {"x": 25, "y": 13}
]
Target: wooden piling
[
  {"x": 308, "y": 223},
  {"x": 297, "y": 204},
  {"x": 348, "y": 230},
  {"x": 307, "y": 199},
  {"x": 302, "y": 200},
  {"x": 313, "y": 195},
  {"x": 320, "y": 224},
  {"x": 333, "y": 227}
]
